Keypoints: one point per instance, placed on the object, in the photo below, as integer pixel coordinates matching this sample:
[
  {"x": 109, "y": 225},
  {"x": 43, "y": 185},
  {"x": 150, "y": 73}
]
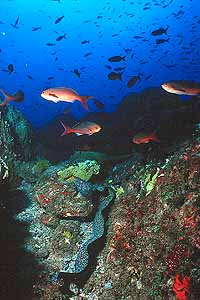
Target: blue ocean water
[{"x": 95, "y": 31}]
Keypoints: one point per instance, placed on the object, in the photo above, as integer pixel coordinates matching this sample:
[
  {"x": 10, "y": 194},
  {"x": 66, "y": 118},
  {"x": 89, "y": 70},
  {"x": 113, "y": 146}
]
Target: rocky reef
[
  {"x": 153, "y": 241},
  {"x": 150, "y": 247},
  {"x": 108, "y": 226}
]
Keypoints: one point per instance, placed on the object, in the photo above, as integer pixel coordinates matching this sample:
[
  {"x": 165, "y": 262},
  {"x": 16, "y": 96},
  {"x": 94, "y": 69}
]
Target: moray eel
[
  {"x": 98, "y": 231},
  {"x": 98, "y": 225}
]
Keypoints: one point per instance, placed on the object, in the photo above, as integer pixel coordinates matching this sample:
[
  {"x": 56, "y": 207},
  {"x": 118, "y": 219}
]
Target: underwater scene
[{"x": 99, "y": 150}]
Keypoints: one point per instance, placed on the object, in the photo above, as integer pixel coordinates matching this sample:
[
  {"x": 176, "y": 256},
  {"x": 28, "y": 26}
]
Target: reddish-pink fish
[
  {"x": 64, "y": 94},
  {"x": 17, "y": 97},
  {"x": 82, "y": 128},
  {"x": 143, "y": 138},
  {"x": 182, "y": 87}
]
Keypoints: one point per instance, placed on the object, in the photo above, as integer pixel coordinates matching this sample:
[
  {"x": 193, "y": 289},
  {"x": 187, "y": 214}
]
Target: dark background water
[{"x": 114, "y": 27}]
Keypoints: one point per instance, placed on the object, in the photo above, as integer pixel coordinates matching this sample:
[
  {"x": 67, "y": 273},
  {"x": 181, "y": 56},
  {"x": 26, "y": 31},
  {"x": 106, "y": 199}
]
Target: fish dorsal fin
[
  {"x": 64, "y": 87},
  {"x": 73, "y": 91}
]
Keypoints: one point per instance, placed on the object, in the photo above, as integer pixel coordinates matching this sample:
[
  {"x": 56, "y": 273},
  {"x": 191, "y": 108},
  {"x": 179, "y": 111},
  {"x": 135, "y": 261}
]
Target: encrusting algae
[{"x": 83, "y": 170}]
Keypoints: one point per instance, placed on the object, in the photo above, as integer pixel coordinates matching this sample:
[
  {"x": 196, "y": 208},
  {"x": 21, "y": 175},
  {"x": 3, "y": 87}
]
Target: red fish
[
  {"x": 17, "y": 97},
  {"x": 144, "y": 138},
  {"x": 182, "y": 87},
  {"x": 64, "y": 94},
  {"x": 82, "y": 128}
]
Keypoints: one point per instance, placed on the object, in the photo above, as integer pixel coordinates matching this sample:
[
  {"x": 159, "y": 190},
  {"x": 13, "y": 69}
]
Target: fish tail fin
[
  {"x": 67, "y": 129},
  {"x": 123, "y": 58},
  {"x": 84, "y": 100},
  {"x": 154, "y": 137},
  {"x": 8, "y": 97}
]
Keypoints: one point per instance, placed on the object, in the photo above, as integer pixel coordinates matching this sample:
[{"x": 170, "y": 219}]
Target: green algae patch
[
  {"x": 40, "y": 166},
  {"x": 119, "y": 191},
  {"x": 150, "y": 181},
  {"x": 83, "y": 170}
]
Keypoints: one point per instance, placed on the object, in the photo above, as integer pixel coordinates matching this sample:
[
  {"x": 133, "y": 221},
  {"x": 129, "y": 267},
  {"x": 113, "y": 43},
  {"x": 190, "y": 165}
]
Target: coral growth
[
  {"x": 40, "y": 166},
  {"x": 181, "y": 287},
  {"x": 83, "y": 170}
]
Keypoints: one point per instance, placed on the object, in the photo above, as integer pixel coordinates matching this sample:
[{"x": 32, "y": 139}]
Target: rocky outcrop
[
  {"x": 153, "y": 241},
  {"x": 16, "y": 142}
]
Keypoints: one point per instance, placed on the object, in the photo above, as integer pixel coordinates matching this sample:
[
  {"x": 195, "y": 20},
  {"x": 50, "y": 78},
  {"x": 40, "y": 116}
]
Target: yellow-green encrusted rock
[{"x": 83, "y": 170}]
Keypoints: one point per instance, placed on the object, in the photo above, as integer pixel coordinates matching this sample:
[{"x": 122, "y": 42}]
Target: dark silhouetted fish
[
  {"x": 148, "y": 77},
  {"x": 132, "y": 81},
  {"x": 99, "y": 104},
  {"x": 108, "y": 67},
  {"x": 85, "y": 42},
  {"x": 10, "y": 68},
  {"x": 161, "y": 41},
  {"x": 116, "y": 58},
  {"x": 59, "y": 19},
  {"x": 115, "y": 76},
  {"x": 16, "y": 23},
  {"x": 87, "y": 54},
  {"x": 77, "y": 73},
  {"x": 159, "y": 31},
  {"x": 36, "y": 28},
  {"x": 30, "y": 77},
  {"x": 50, "y": 44},
  {"x": 59, "y": 38}
]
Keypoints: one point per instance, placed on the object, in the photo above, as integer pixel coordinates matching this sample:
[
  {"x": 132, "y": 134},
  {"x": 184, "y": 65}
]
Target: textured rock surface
[
  {"x": 62, "y": 199},
  {"x": 152, "y": 243},
  {"x": 153, "y": 232},
  {"x": 16, "y": 141},
  {"x": 15, "y": 134}
]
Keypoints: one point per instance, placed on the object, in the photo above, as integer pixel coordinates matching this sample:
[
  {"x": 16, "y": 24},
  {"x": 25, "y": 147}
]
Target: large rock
[
  {"x": 152, "y": 247},
  {"x": 16, "y": 141}
]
